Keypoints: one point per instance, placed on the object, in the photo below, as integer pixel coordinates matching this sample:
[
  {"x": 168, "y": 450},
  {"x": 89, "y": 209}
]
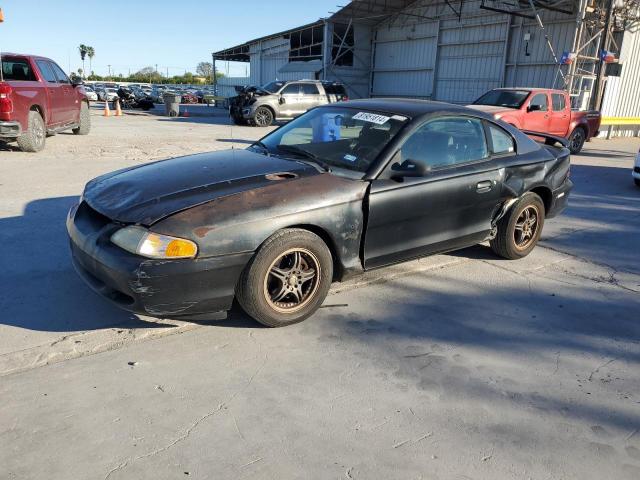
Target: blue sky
[{"x": 134, "y": 34}]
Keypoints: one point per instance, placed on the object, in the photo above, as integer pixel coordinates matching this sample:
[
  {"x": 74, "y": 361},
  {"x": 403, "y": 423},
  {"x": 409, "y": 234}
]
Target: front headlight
[{"x": 141, "y": 241}]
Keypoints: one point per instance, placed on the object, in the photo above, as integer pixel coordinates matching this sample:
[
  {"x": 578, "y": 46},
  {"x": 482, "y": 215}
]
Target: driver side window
[
  {"x": 446, "y": 142},
  {"x": 539, "y": 100}
]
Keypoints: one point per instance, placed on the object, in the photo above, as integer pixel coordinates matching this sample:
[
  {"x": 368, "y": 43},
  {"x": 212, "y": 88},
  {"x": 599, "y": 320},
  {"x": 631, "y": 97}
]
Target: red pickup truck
[
  {"x": 38, "y": 99},
  {"x": 541, "y": 110}
]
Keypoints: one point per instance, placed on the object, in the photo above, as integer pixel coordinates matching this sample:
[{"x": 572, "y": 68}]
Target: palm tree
[
  {"x": 83, "y": 53},
  {"x": 90, "y": 53}
]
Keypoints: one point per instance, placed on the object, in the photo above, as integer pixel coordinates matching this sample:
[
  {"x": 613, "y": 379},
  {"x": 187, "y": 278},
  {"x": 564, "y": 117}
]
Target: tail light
[
  {"x": 345, "y": 98},
  {"x": 6, "y": 105}
]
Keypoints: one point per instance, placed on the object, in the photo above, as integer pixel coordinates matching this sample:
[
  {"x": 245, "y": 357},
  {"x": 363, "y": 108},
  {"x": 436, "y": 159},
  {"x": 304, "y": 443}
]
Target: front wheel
[
  {"x": 288, "y": 278},
  {"x": 84, "y": 125},
  {"x": 263, "y": 117},
  {"x": 520, "y": 229},
  {"x": 34, "y": 138},
  {"x": 577, "y": 139}
]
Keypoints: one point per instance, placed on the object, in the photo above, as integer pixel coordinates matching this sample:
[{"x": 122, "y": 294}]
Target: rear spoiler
[{"x": 549, "y": 139}]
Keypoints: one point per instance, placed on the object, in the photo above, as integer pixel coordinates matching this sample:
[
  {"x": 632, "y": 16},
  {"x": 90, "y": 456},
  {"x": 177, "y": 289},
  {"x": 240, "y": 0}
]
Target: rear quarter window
[
  {"x": 17, "y": 69},
  {"x": 335, "y": 89},
  {"x": 309, "y": 89}
]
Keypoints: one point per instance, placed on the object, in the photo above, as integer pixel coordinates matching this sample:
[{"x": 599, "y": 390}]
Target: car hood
[
  {"x": 146, "y": 194},
  {"x": 491, "y": 109}
]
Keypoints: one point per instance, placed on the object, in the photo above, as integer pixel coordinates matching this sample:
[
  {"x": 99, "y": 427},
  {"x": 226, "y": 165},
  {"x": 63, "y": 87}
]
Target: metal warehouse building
[{"x": 454, "y": 51}]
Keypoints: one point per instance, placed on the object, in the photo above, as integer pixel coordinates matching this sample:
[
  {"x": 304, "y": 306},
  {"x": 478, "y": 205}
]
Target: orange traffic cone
[
  {"x": 186, "y": 113},
  {"x": 107, "y": 112},
  {"x": 118, "y": 109}
]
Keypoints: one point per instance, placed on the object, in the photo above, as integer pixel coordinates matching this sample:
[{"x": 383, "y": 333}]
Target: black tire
[
  {"x": 265, "y": 295},
  {"x": 637, "y": 182},
  {"x": 263, "y": 117},
  {"x": 33, "y": 140},
  {"x": 511, "y": 241},
  {"x": 84, "y": 126},
  {"x": 577, "y": 139}
]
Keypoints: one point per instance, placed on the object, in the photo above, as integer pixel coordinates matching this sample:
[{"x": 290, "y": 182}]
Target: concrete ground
[{"x": 458, "y": 366}]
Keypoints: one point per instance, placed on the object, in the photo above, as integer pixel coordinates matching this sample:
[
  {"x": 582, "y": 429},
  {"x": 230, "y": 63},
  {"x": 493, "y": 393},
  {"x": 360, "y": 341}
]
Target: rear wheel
[
  {"x": 520, "y": 229},
  {"x": 288, "y": 278},
  {"x": 637, "y": 182},
  {"x": 84, "y": 126},
  {"x": 33, "y": 139},
  {"x": 263, "y": 117},
  {"x": 577, "y": 139}
]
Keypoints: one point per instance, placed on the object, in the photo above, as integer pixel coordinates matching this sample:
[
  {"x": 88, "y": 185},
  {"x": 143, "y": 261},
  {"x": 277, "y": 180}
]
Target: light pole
[{"x": 109, "y": 71}]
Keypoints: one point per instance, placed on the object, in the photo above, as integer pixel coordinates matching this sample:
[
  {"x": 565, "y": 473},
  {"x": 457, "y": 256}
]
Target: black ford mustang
[{"x": 340, "y": 190}]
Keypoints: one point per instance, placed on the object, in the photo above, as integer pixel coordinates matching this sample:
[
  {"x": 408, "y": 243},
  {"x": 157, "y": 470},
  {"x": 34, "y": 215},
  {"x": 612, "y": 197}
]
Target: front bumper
[
  {"x": 238, "y": 110},
  {"x": 194, "y": 288},
  {"x": 10, "y": 129},
  {"x": 560, "y": 199}
]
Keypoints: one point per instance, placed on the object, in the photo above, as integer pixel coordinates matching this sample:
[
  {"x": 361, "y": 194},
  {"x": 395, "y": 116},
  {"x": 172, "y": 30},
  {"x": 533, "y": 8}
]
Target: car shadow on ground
[
  {"x": 39, "y": 290},
  {"x": 602, "y": 221},
  {"x": 612, "y": 154}
]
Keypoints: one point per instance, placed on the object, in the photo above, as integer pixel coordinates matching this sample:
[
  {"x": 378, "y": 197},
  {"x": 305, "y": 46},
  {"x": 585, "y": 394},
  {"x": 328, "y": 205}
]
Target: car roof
[
  {"x": 409, "y": 107},
  {"x": 531, "y": 89}
]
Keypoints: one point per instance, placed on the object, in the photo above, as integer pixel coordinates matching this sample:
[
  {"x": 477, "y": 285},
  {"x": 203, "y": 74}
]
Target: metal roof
[{"x": 240, "y": 53}]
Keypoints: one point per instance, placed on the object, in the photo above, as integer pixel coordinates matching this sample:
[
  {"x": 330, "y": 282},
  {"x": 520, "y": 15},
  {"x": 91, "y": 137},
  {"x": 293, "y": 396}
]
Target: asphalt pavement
[{"x": 458, "y": 366}]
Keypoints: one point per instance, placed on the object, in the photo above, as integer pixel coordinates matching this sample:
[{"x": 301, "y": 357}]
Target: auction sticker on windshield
[{"x": 371, "y": 118}]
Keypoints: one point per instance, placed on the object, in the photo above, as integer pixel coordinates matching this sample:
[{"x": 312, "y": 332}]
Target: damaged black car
[{"x": 342, "y": 189}]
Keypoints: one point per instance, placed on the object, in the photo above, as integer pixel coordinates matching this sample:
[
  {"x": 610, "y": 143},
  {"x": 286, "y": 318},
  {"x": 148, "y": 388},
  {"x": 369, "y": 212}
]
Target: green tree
[
  {"x": 83, "y": 53},
  {"x": 91, "y": 52}
]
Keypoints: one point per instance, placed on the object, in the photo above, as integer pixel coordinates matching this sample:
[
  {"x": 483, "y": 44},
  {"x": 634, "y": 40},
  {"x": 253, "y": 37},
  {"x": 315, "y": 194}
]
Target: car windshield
[
  {"x": 503, "y": 98},
  {"x": 273, "y": 87},
  {"x": 339, "y": 137}
]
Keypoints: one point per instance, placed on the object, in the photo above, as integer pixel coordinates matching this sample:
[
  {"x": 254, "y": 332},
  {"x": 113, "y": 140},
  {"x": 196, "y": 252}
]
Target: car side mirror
[
  {"x": 534, "y": 108},
  {"x": 409, "y": 168},
  {"x": 282, "y": 100},
  {"x": 76, "y": 81}
]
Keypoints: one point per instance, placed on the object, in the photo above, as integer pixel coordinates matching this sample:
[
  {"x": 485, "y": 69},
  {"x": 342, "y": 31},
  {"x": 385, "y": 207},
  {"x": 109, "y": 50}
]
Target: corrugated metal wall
[
  {"x": 470, "y": 57},
  {"x": 404, "y": 60},
  {"x": 456, "y": 61},
  {"x": 356, "y": 77},
  {"x": 625, "y": 102},
  {"x": 621, "y": 98},
  {"x": 226, "y": 85}
]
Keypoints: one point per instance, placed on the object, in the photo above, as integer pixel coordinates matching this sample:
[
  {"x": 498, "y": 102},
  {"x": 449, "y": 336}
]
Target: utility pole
[{"x": 605, "y": 40}]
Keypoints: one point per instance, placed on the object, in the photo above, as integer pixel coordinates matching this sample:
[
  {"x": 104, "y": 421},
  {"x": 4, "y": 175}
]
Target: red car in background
[
  {"x": 38, "y": 99},
  {"x": 188, "y": 97},
  {"x": 541, "y": 110}
]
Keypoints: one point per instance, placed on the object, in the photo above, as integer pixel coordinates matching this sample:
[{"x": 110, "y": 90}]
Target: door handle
[{"x": 484, "y": 187}]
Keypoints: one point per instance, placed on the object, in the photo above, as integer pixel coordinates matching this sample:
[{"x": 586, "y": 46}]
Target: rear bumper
[
  {"x": 201, "y": 287},
  {"x": 560, "y": 198},
  {"x": 10, "y": 129}
]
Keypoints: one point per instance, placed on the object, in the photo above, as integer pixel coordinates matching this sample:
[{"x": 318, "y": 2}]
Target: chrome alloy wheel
[
  {"x": 292, "y": 280},
  {"x": 526, "y": 227}
]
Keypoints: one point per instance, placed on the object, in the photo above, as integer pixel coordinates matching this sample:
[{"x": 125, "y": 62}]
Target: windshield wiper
[
  {"x": 263, "y": 147},
  {"x": 305, "y": 153}
]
